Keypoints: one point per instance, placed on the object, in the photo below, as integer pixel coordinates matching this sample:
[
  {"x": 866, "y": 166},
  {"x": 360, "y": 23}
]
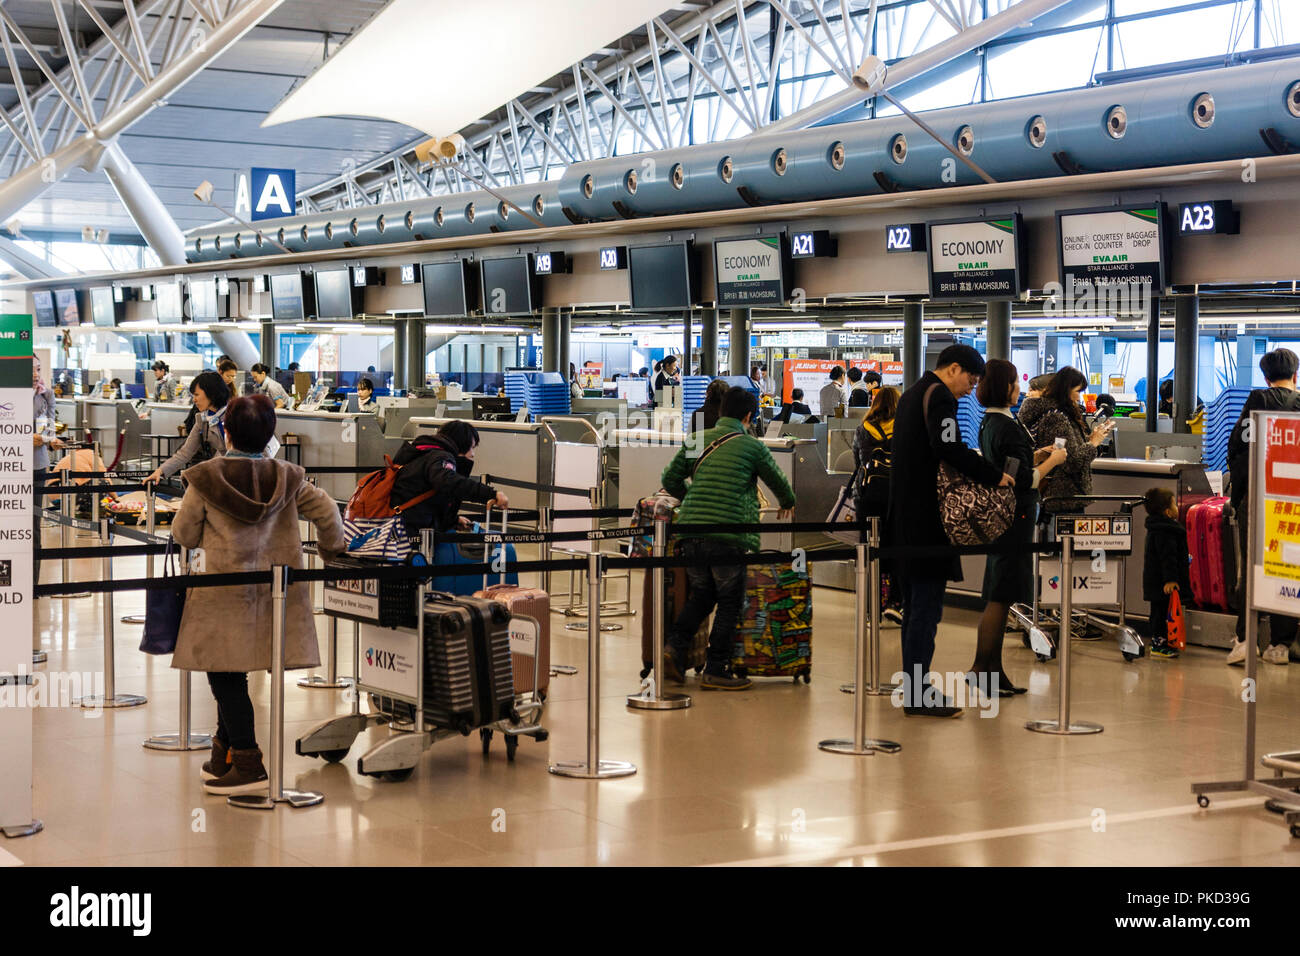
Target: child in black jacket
[{"x": 1165, "y": 566}]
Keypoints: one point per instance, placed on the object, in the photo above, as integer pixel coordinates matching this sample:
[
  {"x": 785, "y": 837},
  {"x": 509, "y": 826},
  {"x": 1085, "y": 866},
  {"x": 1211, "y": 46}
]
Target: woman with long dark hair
[
  {"x": 1061, "y": 419},
  {"x": 207, "y": 439}
]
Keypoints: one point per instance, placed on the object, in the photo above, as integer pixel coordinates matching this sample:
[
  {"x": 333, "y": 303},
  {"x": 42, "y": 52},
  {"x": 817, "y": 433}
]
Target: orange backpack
[{"x": 375, "y": 490}]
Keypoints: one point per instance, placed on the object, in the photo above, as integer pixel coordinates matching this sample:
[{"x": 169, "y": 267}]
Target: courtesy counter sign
[{"x": 976, "y": 258}]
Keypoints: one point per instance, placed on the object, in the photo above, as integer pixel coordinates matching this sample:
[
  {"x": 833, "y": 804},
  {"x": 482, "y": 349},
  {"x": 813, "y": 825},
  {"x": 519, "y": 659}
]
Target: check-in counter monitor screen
[
  {"x": 66, "y": 306},
  {"x": 43, "y": 309},
  {"x": 334, "y": 294},
  {"x": 662, "y": 277},
  {"x": 508, "y": 286},
  {"x": 447, "y": 290},
  {"x": 203, "y": 300},
  {"x": 287, "y": 303},
  {"x": 103, "y": 310},
  {"x": 634, "y": 391},
  {"x": 169, "y": 303}
]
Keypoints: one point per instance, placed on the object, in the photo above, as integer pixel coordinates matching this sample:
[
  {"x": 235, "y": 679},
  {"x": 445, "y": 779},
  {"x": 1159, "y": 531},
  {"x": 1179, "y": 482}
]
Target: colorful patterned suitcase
[
  {"x": 774, "y": 636},
  {"x": 1205, "y": 542}
]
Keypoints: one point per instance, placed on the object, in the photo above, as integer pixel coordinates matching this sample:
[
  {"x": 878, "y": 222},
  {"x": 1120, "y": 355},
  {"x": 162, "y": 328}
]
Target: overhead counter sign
[
  {"x": 750, "y": 271},
  {"x": 976, "y": 258},
  {"x": 1113, "y": 244}
]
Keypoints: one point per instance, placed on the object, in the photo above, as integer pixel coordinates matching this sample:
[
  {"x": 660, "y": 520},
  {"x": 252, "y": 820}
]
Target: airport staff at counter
[
  {"x": 833, "y": 394},
  {"x": 164, "y": 386},
  {"x": 366, "y": 396},
  {"x": 270, "y": 387}
]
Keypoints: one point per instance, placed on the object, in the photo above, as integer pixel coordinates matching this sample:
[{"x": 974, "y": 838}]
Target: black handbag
[{"x": 162, "y": 610}]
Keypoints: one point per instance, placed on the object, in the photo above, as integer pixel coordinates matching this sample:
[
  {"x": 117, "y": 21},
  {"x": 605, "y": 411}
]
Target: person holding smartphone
[
  {"x": 1061, "y": 420},
  {"x": 1008, "y": 578}
]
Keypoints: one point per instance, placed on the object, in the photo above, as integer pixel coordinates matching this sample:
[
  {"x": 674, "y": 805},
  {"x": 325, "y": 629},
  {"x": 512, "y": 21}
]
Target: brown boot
[
  {"x": 220, "y": 762},
  {"x": 247, "y": 774}
]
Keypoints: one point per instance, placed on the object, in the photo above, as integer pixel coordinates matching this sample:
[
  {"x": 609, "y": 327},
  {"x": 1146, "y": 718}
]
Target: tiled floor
[{"x": 737, "y": 777}]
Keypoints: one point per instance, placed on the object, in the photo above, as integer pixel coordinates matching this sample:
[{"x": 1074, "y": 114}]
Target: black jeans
[
  {"x": 38, "y": 482},
  {"x": 1160, "y": 620},
  {"x": 922, "y": 610},
  {"x": 234, "y": 709},
  {"x": 713, "y": 583}
]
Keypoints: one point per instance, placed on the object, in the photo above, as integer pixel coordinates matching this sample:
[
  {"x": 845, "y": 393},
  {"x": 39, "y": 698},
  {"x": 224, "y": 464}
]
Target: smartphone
[
  {"x": 1011, "y": 466},
  {"x": 1060, "y": 443}
]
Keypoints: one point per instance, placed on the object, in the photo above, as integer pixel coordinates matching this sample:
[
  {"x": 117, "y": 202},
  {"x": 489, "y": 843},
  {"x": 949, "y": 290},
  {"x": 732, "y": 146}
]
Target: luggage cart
[
  {"x": 396, "y": 756},
  {"x": 1042, "y": 628}
]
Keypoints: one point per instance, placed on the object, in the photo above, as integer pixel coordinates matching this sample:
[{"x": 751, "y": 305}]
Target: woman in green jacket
[{"x": 1008, "y": 577}]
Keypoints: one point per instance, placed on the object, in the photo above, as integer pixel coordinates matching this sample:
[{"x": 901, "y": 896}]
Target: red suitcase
[{"x": 1205, "y": 543}]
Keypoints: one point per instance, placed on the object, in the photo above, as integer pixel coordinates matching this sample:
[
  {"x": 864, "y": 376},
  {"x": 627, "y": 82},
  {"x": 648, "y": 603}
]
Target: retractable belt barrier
[
  {"x": 109, "y": 474},
  {"x": 57, "y": 490},
  {"x": 592, "y": 513},
  {"x": 536, "y": 486},
  {"x": 103, "y": 551}
]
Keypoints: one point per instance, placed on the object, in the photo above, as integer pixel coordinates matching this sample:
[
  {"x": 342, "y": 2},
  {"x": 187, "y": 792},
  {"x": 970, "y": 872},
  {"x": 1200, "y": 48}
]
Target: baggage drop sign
[
  {"x": 1274, "y": 548},
  {"x": 975, "y": 259},
  {"x": 1110, "y": 245},
  {"x": 750, "y": 271}
]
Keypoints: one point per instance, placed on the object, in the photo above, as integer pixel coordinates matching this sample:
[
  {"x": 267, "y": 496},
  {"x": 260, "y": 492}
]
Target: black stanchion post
[
  {"x": 276, "y": 792},
  {"x": 593, "y": 768},
  {"x": 1062, "y": 725},
  {"x": 110, "y": 698},
  {"x": 653, "y": 696}
]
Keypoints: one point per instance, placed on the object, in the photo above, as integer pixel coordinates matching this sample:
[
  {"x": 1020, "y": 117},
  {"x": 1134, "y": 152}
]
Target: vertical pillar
[
  {"x": 1187, "y": 317},
  {"x": 1246, "y": 361},
  {"x": 399, "y": 354},
  {"x": 688, "y": 342},
  {"x": 709, "y": 342},
  {"x": 416, "y": 355},
  {"x": 998, "y": 331},
  {"x": 562, "y": 337},
  {"x": 738, "y": 341},
  {"x": 1152, "y": 397},
  {"x": 267, "y": 345},
  {"x": 913, "y": 343},
  {"x": 551, "y": 340}
]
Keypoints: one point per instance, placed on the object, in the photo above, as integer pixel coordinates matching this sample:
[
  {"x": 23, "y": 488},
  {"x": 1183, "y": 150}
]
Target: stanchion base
[
  {"x": 262, "y": 801},
  {"x": 39, "y": 657},
  {"x": 880, "y": 690},
  {"x": 869, "y": 747},
  {"x": 582, "y": 626},
  {"x": 23, "y": 829},
  {"x": 109, "y": 703},
  {"x": 563, "y": 670},
  {"x": 579, "y": 768},
  {"x": 1054, "y": 727},
  {"x": 666, "y": 702},
  {"x": 133, "y": 619},
  {"x": 173, "y": 742},
  {"x": 324, "y": 683}
]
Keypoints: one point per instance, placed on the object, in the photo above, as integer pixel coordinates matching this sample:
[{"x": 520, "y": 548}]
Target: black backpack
[{"x": 872, "y": 492}]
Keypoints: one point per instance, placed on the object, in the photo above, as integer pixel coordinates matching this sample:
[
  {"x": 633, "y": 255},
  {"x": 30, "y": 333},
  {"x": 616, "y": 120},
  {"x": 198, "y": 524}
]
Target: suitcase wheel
[
  {"x": 333, "y": 756},
  {"x": 512, "y": 744},
  {"x": 1130, "y": 657},
  {"x": 396, "y": 776},
  {"x": 699, "y": 670},
  {"x": 485, "y": 735},
  {"x": 806, "y": 674},
  {"x": 645, "y": 671}
]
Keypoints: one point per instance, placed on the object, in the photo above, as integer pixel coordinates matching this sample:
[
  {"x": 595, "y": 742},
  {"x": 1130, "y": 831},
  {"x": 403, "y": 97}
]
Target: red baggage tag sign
[{"x": 1282, "y": 458}]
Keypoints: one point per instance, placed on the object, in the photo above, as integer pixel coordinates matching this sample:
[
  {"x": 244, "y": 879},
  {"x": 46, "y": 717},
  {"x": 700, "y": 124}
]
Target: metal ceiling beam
[{"x": 26, "y": 264}]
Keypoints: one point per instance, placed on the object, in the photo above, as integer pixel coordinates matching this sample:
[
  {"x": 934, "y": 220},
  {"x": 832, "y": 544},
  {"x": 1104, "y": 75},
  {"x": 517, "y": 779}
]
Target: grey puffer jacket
[{"x": 1074, "y": 477}]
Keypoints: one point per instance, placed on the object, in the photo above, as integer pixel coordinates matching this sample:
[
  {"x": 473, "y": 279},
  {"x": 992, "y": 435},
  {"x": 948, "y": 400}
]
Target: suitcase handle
[{"x": 487, "y": 547}]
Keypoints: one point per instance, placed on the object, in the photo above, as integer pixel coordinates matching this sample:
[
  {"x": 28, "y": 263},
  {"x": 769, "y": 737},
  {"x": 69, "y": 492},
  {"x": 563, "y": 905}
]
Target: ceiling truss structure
[{"x": 722, "y": 72}]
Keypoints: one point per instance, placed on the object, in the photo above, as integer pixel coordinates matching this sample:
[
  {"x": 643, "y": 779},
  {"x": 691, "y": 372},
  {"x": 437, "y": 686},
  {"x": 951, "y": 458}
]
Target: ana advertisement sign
[{"x": 975, "y": 259}]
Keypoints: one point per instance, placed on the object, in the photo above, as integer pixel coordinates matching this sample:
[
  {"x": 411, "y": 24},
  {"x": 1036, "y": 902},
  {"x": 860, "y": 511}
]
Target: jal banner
[
  {"x": 1117, "y": 244},
  {"x": 16, "y": 457},
  {"x": 975, "y": 259}
]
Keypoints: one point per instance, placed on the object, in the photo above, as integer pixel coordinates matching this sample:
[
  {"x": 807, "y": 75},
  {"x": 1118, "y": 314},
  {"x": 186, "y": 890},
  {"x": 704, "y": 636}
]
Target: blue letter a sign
[{"x": 273, "y": 192}]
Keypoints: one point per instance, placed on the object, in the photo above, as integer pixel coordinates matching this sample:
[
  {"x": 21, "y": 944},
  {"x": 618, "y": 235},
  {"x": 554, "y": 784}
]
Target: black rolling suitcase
[{"x": 468, "y": 677}]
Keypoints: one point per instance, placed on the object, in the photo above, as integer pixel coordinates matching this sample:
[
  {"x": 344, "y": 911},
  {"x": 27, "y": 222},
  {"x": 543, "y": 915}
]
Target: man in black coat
[{"x": 925, "y": 433}]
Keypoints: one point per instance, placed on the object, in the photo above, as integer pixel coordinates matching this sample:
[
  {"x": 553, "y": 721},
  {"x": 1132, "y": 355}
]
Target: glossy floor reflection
[{"x": 735, "y": 778}]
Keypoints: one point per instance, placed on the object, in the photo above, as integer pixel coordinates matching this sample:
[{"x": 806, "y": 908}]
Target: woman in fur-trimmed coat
[{"x": 243, "y": 511}]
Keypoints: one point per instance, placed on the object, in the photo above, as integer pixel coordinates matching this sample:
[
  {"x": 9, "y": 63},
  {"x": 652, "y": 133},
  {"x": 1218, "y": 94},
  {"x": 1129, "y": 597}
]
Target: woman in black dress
[{"x": 1008, "y": 578}]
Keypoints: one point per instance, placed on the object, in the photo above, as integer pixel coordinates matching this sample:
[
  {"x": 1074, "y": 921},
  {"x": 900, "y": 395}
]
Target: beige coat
[{"x": 243, "y": 513}]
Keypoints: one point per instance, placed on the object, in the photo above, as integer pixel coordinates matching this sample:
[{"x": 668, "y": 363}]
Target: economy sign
[
  {"x": 1112, "y": 244},
  {"x": 750, "y": 271},
  {"x": 975, "y": 258}
]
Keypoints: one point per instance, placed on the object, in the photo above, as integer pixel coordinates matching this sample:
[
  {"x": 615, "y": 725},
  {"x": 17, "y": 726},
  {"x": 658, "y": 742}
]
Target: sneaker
[
  {"x": 672, "y": 668},
  {"x": 1277, "y": 654},
  {"x": 1237, "y": 656},
  {"x": 247, "y": 774},
  {"x": 1164, "y": 651},
  {"x": 894, "y": 616},
  {"x": 724, "y": 682},
  {"x": 220, "y": 762}
]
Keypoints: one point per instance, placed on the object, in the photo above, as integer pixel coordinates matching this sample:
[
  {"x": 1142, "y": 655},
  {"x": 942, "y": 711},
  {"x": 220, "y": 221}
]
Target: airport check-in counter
[
  {"x": 1129, "y": 477},
  {"x": 644, "y": 454},
  {"x": 524, "y": 451},
  {"x": 1132, "y": 441},
  {"x": 337, "y": 439},
  {"x": 70, "y": 412},
  {"x": 107, "y": 418},
  {"x": 396, "y": 416}
]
